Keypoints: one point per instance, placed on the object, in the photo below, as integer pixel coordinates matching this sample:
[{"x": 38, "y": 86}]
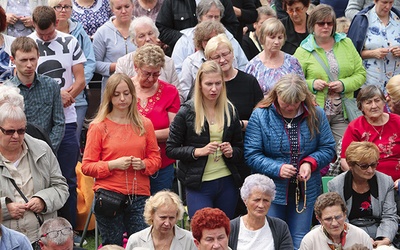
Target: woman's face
[
  {"x": 323, "y": 28},
  {"x": 223, "y": 56},
  {"x": 214, "y": 14},
  {"x": 258, "y": 203},
  {"x": 289, "y": 109},
  {"x": 65, "y": 13},
  {"x": 332, "y": 219},
  {"x": 164, "y": 218},
  {"x": 382, "y": 7},
  {"x": 274, "y": 43},
  {"x": 373, "y": 107},
  {"x": 261, "y": 20},
  {"x": 205, "y": 41},
  {"x": 364, "y": 170},
  {"x": 148, "y": 75},
  {"x": 14, "y": 141},
  {"x": 145, "y": 34},
  {"x": 122, "y": 98},
  {"x": 394, "y": 105},
  {"x": 297, "y": 12},
  {"x": 122, "y": 10},
  {"x": 211, "y": 86}
]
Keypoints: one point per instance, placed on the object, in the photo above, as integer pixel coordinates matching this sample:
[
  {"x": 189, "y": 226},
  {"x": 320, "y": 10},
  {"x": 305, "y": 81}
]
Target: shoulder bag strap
[
  {"x": 323, "y": 65},
  {"x": 26, "y": 200}
]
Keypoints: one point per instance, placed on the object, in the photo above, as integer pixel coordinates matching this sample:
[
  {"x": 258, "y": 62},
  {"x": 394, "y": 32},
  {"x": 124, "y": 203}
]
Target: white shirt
[{"x": 259, "y": 239}]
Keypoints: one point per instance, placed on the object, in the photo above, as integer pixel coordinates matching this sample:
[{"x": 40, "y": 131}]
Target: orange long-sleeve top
[{"x": 108, "y": 141}]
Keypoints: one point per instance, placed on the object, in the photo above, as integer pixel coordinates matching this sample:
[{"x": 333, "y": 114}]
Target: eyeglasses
[
  {"x": 56, "y": 233},
  {"x": 148, "y": 74},
  {"x": 20, "y": 131},
  {"x": 366, "y": 166},
  {"x": 297, "y": 10},
  {"x": 322, "y": 24},
  {"x": 65, "y": 7},
  {"x": 222, "y": 55},
  {"x": 337, "y": 218}
]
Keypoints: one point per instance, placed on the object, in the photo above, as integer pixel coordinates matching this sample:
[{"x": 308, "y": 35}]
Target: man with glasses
[
  {"x": 61, "y": 58},
  {"x": 57, "y": 234},
  {"x": 41, "y": 93}
]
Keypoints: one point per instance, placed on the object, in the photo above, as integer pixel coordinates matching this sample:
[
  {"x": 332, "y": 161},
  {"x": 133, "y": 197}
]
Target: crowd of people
[{"x": 243, "y": 104}]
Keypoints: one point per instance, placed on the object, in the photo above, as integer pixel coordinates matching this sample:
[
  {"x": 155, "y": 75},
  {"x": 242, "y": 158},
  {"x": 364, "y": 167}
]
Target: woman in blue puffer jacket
[{"x": 289, "y": 139}]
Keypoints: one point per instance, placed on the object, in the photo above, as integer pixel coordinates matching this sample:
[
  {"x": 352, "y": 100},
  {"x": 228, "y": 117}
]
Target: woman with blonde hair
[
  {"x": 121, "y": 153},
  {"x": 206, "y": 137},
  {"x": 242, "y": 88},
  {"x": 161, "y": 212},
  {"x": 289, "y": 139},
  {"x": 272, "y": 63},
  {"x": 393, "y": 94}
]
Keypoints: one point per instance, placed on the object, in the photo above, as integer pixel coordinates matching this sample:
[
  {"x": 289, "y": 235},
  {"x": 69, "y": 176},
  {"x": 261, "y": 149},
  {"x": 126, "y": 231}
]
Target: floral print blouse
[
  {"x": 268, "y": 77},
  {"x": 381, "y": 36}
]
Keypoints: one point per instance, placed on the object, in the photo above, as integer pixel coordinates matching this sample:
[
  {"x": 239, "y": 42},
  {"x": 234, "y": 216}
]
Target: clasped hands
[
  {"x": 335, "y": 86},
  {"x": 212, "y": 147},
  {"x": 288, "y": 171},
  {"x": 17, "y": 210},
  {"x": 126, "y": 162}
]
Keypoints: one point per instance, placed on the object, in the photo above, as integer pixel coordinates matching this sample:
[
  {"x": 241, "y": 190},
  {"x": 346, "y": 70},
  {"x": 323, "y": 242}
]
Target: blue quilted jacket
[{"x": 266, "y": 149}]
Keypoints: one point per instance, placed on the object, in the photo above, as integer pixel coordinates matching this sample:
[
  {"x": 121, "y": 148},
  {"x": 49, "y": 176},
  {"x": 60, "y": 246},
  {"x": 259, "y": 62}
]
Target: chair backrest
[{"x": 325, "y": 180}]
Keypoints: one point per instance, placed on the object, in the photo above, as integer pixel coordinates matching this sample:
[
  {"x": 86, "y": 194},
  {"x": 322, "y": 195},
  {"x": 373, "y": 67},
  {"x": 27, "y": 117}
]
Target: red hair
[
  {"x": 209, "y": 218},
  {"x": 3, "y": 20}
]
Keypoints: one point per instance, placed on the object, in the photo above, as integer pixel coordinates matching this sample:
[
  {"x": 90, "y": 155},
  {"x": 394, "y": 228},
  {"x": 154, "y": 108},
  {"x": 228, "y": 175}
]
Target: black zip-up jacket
[{"x": 183, "y": 140}]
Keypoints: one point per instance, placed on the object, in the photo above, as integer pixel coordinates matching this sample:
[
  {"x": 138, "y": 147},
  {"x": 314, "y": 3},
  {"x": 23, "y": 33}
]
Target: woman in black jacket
[{"x": 206, "y": 138}]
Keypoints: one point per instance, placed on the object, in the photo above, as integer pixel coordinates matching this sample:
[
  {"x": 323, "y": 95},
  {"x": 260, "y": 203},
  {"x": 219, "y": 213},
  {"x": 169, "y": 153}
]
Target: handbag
[
  {"x": 352, "y": 110},
  {"x": 109, "y": 203},
  {"x": 349, "y": 104}
]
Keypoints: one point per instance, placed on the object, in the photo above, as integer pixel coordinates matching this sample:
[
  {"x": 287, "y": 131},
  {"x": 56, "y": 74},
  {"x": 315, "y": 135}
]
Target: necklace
[
  {"x": 298, "y": 197},
  {"x": 379, "y": 133},
  {"x": 288, "y": 124}
]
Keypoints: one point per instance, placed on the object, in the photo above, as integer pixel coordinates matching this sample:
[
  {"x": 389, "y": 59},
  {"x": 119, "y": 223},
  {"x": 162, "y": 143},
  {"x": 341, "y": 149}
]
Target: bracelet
[{"x": 194, "y": 157}]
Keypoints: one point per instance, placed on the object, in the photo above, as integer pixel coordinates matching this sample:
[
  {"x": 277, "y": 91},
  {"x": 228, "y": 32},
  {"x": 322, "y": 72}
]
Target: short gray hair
[
  {"x": 140, "y": 21},
  {"x": 8, "y": 111},
  {"x": 205, "y": 6},
  {"x": 11, "y": 95},
  {"x": 265, "y": 10},
  {"x": 369, "y": 92},
  {"x": 259, "y": 182},
  {"x": 55, "y": 224}
]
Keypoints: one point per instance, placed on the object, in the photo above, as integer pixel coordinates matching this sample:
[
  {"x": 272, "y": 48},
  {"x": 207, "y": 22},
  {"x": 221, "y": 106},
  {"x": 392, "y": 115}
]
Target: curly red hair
[{"x": 209, "y": 218}]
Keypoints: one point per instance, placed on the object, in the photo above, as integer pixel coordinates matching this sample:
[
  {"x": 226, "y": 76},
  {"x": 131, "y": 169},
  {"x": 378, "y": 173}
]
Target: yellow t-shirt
[{"x": 215, "y": 167}]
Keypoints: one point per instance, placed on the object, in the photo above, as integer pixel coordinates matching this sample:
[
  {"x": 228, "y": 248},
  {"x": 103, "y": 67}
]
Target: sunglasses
[
  {"x": 322, "y": 24},
  {"x": 20, "y": 131},
  {"x": 366, "y": 166}
]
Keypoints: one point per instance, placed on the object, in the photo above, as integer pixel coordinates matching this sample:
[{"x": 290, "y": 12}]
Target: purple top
[{"x": 268, "y": 77}]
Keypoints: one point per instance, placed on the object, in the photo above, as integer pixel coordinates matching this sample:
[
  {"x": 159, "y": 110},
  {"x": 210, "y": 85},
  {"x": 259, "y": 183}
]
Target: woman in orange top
[{"x": 121, "y": 153}]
